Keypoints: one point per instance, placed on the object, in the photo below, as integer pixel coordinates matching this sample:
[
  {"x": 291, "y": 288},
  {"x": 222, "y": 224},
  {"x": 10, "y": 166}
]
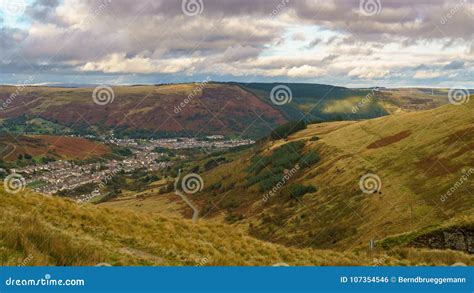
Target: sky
[{"x": 342, "y": 42}]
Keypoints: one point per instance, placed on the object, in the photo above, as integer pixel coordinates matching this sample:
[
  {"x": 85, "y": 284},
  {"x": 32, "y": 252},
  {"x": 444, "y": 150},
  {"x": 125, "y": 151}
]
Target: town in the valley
[{"x": 53, "y": 177}]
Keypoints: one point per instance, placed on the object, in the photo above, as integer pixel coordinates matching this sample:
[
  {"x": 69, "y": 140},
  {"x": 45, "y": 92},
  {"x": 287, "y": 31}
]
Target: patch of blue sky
[
  {"x": 14, "y": 13},
  {"x": 299, "y": 37}
]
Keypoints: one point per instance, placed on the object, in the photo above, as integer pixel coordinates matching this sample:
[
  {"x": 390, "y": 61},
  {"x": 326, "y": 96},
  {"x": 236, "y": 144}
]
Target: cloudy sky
[{"x": 342, "y": 42}]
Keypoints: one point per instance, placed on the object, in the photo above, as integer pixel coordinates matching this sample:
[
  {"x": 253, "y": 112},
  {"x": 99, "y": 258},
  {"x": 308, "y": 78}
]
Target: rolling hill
[
  {"x": 195, "y": 109},
  {"x": 38, "y": 230},
  {"x": 421, "y": 164}
]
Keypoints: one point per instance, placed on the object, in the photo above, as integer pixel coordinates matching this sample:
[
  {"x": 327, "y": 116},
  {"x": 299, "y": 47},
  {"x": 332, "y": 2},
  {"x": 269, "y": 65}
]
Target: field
[{"x": 57, "y": 147}]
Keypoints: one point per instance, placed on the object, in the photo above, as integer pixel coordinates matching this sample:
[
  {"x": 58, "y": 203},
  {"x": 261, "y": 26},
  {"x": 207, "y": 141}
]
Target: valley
[
  {"x": 336, "y": 177},
  {"x": 84, "y": 181},
  {"x": 287, "y": 146}
]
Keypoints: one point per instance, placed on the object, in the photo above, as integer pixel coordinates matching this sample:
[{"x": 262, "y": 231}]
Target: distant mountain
[
  {"x": 141, "y": 111},
  {"x": 234, "y": 109}
]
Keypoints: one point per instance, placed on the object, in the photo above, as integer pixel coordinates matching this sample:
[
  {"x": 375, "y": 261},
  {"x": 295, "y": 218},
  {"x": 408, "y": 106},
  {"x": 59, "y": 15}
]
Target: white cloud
[
  {"x": 306, "y": 71},
  {"x": 424, "y": 74},
  {"x": 119, "y": 63},
  {"x": 368, "y": 72}
]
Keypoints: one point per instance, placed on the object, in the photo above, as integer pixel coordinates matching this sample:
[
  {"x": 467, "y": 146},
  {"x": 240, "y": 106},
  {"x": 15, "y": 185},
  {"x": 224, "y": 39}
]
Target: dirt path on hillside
[{"x": 11, "y": 152}]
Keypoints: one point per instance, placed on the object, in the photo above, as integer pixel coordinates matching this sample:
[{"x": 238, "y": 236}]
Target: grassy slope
[
  {"x": 53, "y": 231},
  {"x": 317, "y": 102},
  {"x": 326, "y": 103},
  {"x": 437, "y": 235},
  {"x": 38, "y": 230},
  {"x": 412, "y": 99},
  {"x": 415, "y": 172}
]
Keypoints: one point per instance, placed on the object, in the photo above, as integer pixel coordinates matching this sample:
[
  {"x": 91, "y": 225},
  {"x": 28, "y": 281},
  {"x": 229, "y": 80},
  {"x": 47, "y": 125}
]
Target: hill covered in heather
[{"x": 195, "y": 109}]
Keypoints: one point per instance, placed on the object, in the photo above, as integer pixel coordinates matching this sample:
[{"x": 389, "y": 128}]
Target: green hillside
[
  {"x": 38, "y": 230},
  {"x": 315, "y": 102},
  {"x": 318, "y": 102},
  {"x": 418, "y": 158}
]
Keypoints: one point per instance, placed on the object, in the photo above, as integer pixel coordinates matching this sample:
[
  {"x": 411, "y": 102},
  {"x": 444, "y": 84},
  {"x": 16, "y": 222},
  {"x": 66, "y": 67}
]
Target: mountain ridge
[{"x": 193, "y": 109}]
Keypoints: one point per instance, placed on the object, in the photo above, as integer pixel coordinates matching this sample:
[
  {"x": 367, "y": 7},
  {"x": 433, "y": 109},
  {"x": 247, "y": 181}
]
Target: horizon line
[{"x": 87, "y": 85}]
